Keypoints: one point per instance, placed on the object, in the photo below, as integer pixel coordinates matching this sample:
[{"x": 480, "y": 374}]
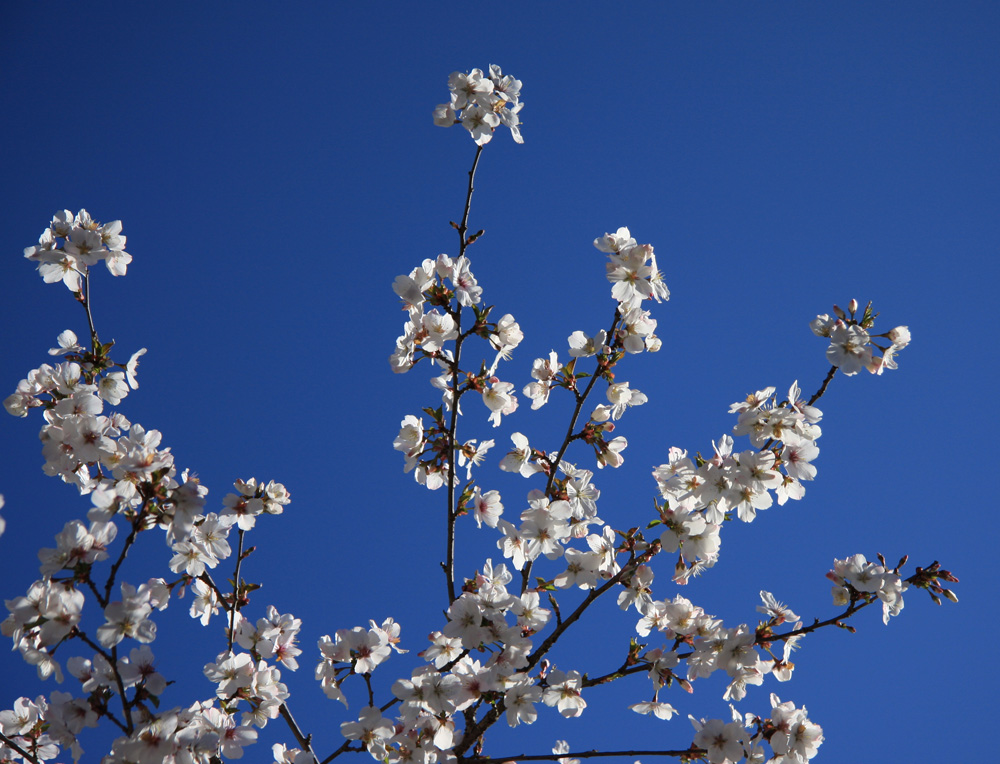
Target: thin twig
[
  {"x": 112, "y": 659},
  {"x": 371, "y": 693},
  {"x": 343, "y": 749},
  {"x": 95, "y": 343},
  {"x": 126, "y": 706},
  {"x": 463, "y": 243},
  {"x": 17, "y": 749},
  {"x": 624, "y": 671},
  {"x": 236, "y": 591},
  {"x": 826, "y": 383},
  {"x": 207, "y": 580},
  {"x": 305, "y": 741},
  {"x": 136, "y": 526},
  {"x": 93, "y": 587},
  {"x": 573, "y": 617},
  {"x": 690, "y": 752},
  {"x": 82, "y": 636}
]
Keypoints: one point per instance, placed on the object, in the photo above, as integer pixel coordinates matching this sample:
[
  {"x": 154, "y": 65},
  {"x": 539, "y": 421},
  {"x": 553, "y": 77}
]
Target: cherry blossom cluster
[
  {"x": 249, "y": 678},
  {"x": 481, "y": 103},
  {"x": 857, "y": 575},
  {"x": 84, "y": 242},
  {"x": 253, "y": 499},
  {"x": 199, "y": 733},
  {"x": 792, "y": 737},
  {"x": 427, "y": 451},
  {"x": 207, "y": 729},
  {"x": 449, "y": 286},
  {"x": 272, "y": 638},
  {"x": 355, "y": 651},
  {"x": 51, "y": 613},
  {"x": 45, "y": 616},
  {"x": 632, "y": 269},
  {"x": 851, "y": 342},
  {"x": 699, "y": 495},
  {"x": 131, "y": 479},
  {"x": 713, "y": 646},
  {"x": 486, "y": 620},
  {"x": 546, "y": 526},
  {"x": 438, "y": 283},
  {"x": 40, "y": 728},
  {"x": 77, "y": 435},
  {"x": 514, "y": 681}
]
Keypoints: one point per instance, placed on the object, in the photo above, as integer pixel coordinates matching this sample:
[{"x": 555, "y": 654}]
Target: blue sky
[{"x": 275, "y": 170}]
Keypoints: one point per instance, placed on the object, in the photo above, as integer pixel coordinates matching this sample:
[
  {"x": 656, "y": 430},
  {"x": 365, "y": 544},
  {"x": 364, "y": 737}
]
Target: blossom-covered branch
[{"x": 492, "y": 657}]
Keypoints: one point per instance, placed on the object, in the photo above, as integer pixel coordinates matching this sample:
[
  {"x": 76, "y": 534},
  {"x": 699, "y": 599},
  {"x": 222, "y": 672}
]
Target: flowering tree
[{"x": 550, "y": 556}]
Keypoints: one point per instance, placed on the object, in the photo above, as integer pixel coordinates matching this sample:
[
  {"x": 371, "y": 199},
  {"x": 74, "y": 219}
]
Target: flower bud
[
  {"x": 852, "y": 306},
  {"x": 839, "y": 312},
  {"x": 900, "y": 336}
]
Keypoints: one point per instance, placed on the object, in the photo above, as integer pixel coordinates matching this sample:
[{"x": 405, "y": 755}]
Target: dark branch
[
  {"x": 693, "y": 753},
  {"x": 822, "y": 389}
]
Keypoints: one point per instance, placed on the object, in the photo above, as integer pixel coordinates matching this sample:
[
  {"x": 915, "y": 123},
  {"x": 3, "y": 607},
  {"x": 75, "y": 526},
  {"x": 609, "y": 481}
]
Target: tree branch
[
  {"x": 463, "y": 243},
  {"x": 693, "y": 753},
  {"x": 581, "y": 398},
  {"x": 305, "y": 741},
  {"x": 236, "y": 591},
  {"x": 95, "y": 343},
  {"x": 136, "y": 526},
  {"x": 343, "y": 749},
  {"x": 822, "y": 389},
  {"x": 17, "y": 749}
]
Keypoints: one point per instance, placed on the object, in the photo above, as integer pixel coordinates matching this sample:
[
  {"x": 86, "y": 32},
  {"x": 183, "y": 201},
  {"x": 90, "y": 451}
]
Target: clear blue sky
[{"x": 275, "y": 170}]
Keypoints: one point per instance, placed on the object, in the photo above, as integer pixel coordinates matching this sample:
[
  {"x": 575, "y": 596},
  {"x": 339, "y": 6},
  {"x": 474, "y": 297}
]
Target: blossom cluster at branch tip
[
  {"x": 632, "y": 269},
  {"x": 867, "y": 577},
  {"x": 852, "y": 345},
  {"x": 699, "y": 497},
  {"x": 481, "y": 103},
  {"x": 85, "y": 242}
]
